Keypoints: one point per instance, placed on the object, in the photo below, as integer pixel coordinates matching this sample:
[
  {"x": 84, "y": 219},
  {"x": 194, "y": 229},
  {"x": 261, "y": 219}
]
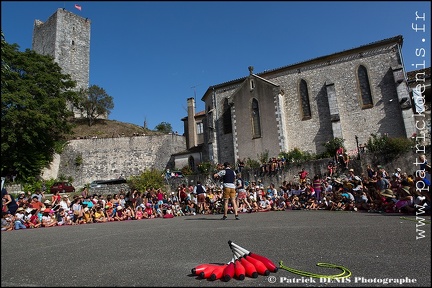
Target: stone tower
[{"x": 66, "y": 37}]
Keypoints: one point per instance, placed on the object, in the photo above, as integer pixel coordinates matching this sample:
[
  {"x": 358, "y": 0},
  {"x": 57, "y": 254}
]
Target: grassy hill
[{"x": 103, "y": 128}]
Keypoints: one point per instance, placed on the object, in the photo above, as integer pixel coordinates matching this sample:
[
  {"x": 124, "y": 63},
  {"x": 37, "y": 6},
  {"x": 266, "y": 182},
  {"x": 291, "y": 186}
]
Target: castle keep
[{"x": 66, "y": 37}]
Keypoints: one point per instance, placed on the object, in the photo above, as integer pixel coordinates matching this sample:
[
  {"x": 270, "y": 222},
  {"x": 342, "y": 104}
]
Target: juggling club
[
  {"x": 240, "y": 271},
  {"x": 217, "y": 272},
  {"x": 259, "y": 266},
  {"x": 229, "y": 271},
  {"x": 199, "y": 268},
  {"x": 249, "y": 267},
  {"x": 207, "y": 272},
  {"x": 267, "y": 262}
]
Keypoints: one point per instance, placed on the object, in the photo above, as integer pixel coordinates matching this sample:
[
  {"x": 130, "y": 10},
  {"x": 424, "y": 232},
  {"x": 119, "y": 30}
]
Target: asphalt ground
[{"x": 378, "y": 249}]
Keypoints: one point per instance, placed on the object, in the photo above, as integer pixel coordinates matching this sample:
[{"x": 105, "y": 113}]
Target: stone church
[{"x": 350, "y": 95}]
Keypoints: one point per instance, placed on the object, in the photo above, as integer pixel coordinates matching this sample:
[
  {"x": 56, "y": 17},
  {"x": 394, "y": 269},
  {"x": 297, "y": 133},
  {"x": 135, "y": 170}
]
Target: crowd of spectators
[{"x": 375, "y": 191}]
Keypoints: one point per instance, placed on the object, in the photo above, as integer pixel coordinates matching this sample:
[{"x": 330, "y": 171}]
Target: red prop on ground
[
  {"x": 229, "y": 271},
  {"x": 217, "y": 272},
  {"x": 267, "y": 262},
  {"x": 239, "y": 270},
  {"x": 199, "y": 268},
  {"x": 249, "y": 267}
]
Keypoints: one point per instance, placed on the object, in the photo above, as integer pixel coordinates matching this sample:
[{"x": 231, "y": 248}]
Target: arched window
[
  {"x": 256, "y": 126},
  {"x": 226, "y": 117},
  {"x": 304, "y": 98},
  {"x": 365, "y": 91}
]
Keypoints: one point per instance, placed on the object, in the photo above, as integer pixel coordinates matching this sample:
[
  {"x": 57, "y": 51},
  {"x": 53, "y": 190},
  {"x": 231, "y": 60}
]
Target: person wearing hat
[
  {"x": 388, "y": 201},
  {"x": 119, "y": 215},
  {"x": 19, "y": 219},
  {"x": 397, "y": 173},
  {"x": 7, "y": 221},
  {"x": 21, "y": 199},
  {"x": 228, "y": 177},
  {"x": 48, "y": 220},
  {"x": 405, "y": 201},
  {"x": 88, "y": 215},
  {"x": 65, "y": 203},
  {"x": 388, "y": 193}
]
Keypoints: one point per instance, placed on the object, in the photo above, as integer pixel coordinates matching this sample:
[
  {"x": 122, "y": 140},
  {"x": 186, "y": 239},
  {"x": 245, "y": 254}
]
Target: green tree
[
  {"x": 94, "y": 102},
  {"x": 333, "y": 145},
  {"x": 34, "y": 111},
  {"x": 4, "y": 67},
  {"x": 164, "y": 127},
  {"x": 150, "y": 178}
]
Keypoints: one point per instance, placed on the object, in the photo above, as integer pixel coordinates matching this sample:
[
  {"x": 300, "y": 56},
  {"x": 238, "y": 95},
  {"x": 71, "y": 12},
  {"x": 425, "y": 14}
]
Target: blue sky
[{"x": 152, "y": 56}]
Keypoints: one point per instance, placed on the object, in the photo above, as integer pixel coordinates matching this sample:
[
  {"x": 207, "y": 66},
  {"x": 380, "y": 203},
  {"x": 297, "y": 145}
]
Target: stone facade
[
  {"x": 86, "y": 160},
  {"x": 66, "y": 37},
  {"x": 352, "y": 93}
]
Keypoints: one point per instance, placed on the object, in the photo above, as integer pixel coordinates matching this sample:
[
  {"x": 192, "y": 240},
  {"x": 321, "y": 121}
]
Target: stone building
[
  {"x": 350, "y": 94},
  {"x": 66, "y": 37}
]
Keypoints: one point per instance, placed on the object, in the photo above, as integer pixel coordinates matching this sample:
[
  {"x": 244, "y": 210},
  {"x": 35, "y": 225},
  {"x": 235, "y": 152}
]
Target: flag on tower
[{"x": 78, "y": 7}]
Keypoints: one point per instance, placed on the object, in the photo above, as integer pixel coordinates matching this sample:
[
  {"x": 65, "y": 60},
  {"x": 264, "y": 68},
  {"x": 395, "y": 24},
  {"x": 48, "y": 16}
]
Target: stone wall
[
  {"x": 406, "y": 162},
  {"x": 86, "y": 160}
]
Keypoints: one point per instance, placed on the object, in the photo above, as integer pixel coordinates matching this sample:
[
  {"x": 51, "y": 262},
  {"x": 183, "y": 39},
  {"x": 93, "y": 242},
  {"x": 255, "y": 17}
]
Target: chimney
[{"x": 191, "y": 125}]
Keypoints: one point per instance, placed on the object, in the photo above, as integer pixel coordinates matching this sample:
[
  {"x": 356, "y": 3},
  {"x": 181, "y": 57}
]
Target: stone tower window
[
  {"x": 73, "y": 42},
  {"x": 365, "y": 91},
  {"x": 256, "y": 126},
  {"x": 226, "y": 117},
  {"x": 304, "y": 98},
  {"x": 200, "y": 128}
]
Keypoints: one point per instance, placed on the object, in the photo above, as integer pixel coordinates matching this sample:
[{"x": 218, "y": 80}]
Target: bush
[
  {"x": 297, "y": 156},
  {"x": 186, "y": 170},
  {"x": 148, "y": 179},
  {"x": 388, "y": 147},
  {"x": 252, "y": 164},
  {"x": 206, "y": 167},
  {"x": 332, "y": 146}
]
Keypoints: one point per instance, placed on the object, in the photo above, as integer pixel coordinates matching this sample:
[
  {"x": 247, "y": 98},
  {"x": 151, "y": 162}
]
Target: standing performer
[
  {"x": 200, "y": 192},
  {"x": 229, "y": 189},
  {"x": 241, "y": 192}
]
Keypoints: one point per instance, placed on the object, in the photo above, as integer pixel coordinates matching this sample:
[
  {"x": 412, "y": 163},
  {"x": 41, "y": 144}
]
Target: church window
[
  {"x": 364, "y": 85},
  {"x": 226, "y": 117},
  {"x": 256, "y": 126},
  {"x": 304, "y": 98}
]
